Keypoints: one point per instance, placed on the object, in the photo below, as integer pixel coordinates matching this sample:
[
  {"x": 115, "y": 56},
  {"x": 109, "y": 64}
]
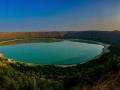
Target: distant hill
[{"x": 106, "y": 36}]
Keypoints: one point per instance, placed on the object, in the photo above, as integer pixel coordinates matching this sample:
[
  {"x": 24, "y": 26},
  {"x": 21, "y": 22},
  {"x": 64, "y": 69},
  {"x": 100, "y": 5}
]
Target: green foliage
[{"x": 1, "y": 58}]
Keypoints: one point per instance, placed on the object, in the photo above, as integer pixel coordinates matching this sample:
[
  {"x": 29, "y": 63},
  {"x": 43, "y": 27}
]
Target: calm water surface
[{"x": 63, "y": 52}]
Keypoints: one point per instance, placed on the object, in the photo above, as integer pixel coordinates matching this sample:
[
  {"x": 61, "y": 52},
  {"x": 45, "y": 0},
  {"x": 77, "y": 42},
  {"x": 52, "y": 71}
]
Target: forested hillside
[{"x": 107, "y": 36}]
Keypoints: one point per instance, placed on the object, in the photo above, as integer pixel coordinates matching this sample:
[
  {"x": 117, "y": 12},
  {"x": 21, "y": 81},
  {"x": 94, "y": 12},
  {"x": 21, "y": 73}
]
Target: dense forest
[{"x": 98, "y": 74}]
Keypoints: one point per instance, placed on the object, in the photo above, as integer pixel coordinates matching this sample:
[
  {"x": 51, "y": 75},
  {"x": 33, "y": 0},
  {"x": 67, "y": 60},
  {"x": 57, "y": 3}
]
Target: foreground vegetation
[{"x": 98, "y": 74}]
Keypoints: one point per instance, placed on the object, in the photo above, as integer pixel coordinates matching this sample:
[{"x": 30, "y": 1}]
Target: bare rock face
[{"x": 18, "y": 35}]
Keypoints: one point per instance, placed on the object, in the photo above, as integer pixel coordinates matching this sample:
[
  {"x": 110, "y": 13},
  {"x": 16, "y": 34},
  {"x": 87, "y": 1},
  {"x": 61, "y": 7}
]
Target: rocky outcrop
[{"x": 2, "y": 55}]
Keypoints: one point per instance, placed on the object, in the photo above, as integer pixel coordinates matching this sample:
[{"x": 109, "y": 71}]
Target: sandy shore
[{"x": 1, "y": 42}]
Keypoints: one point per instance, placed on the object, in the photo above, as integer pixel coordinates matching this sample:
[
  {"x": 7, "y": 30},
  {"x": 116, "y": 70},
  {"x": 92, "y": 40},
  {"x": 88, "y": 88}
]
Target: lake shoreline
[{"x": 105, "y": 50}]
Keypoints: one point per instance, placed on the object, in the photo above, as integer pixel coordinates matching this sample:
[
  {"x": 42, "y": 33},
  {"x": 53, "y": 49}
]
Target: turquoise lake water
[{"x": 63, "y": 52}]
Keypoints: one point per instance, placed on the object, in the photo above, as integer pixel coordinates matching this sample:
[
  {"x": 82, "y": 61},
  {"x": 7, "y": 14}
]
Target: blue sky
[{"x": 59, "y": 15}]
